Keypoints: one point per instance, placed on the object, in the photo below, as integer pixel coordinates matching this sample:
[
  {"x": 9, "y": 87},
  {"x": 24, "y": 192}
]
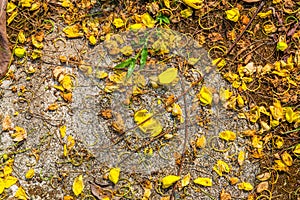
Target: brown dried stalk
[{"x": 4, "y": 49}]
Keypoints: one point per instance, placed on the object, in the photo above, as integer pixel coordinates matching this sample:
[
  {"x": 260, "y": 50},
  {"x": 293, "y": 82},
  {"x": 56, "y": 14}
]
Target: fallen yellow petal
[
  {"x": 203, "y": 181},
  {"x": 73, "y": 31},
  {"x": 148, "y": 20},
  {"x": 287, "y": 158},
  {"x": 227, "y": 135},
  {"x": 78, "y": 185},
  {"x": 29, "y": 173},
  {"x": 21, "y": 194},
  {"x": 118, "y": 22},
  {"x": 168, "y": 76},
  {"x": 9, "y": 181},
  {"x": 147, "y": 123},
  {"x": 114, "y": 175},
  {"x": 169, "y": 180},
  {"x": 245, "y": 186},
  {"x": 205, "y": 96},
  {"x": 196, "y": 4},
  {"x": 233, "y": 14}
]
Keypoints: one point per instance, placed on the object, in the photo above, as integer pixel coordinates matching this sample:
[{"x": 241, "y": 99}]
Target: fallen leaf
[
  {"x": 2, "y": 186},
  {"x": 240, "y": 101},
  {"x": 168, "y": 76},
  {"x": 262, "y": 186},
  {"x": 126, "y": 50},
  {"x": 201, "y": 142},
  {"x": 78, "y": 185},
  {"x": 92, "y": 40},
  {"x": 9, "y": 181},
  {"x": 101, "y": 74},
  {"x": 7, "y": 170},
  {"x": 70, "y": 142},
  {"x": 241, "y": 157},
  {"x": 135, "y": 27},
  {"x": 264, "y": 176},
  {"x": 96, "y": 191},
  {"x": 219, "y": 62},
  {"x": 167, "y": 3},
  {"x": 62, "y": 131},
  {"x": 269, "y": 28},
  {"x": 147, "y": 123},
  {"x": 279, "y": 142},
  {"x": 53, "y": 106},
  {"x": 177, "y": 112},
  {"x": 36, "y": 43},
  {"x": 233, "y": 180},
  {"x": 256, "y": 142},
  {"x": 29, "y": 174},
  {"x": 245, "y": 186},
  {"x": 221, "y": 167},
  {"x": 249, "y": 133},
  {"x": 290, "y": 115},
  {"x": 196, "y": 4},
  {"x": 21, "y": 194},
  {"x": 118, "y": 22},
  {"x": 287, "y": 158},
  {"x": 277, "y": 110},
  {"x": 6, "y": 123},
  {"x": 114, "y": 174},
  {"x": 265, "y": 14},
  {"x": 68, "y": 197},
  {"x": 35, "y": 6},
  {"x": 251, "y": 1},
  {"x": 205, "y": 96},
  {"x": 186, "y": 180},
  {"x": 66, "y": 82},
  {"x": 227, "y": 135},
  {"x": 73, "y": 31},
  {"x": 21, "y": 37},
  {"x": 203, "y": 181},
  {"x": 280, "y": 166},
  {"x": 19, "y": 135},
  {"x": 186, "y": 12},
  {"x": 65, "y": 152},
  {"x": 224, "y": 195},
  {"x": 281, "y": 44},
  {"x": 10, "y": 7},
  {"x": 20, "y": 52},
  {"x": 225, "y": 94},
  {"x": 169, "y": 180},
  {"x": 297, "y": 149},
  {"x": 148, "y": 20}
]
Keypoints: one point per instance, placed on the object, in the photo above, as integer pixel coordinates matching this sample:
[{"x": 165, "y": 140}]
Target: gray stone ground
[{"x": 55, "y": 173}]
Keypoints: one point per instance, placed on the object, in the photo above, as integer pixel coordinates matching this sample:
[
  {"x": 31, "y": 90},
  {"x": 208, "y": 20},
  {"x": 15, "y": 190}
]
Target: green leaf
[
  {"x": 130, "y": 69},
  {"x": 144, "y": 55},
  {"x": 282, "y": 45},
  {"x": 162, "y": 19},
  {"x": 124, "y": 64},
  {"x": 166, "y": 20}
]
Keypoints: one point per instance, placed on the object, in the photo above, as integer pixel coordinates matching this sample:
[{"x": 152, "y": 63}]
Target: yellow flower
[
  {"x": 233, "y": 14},
  {"x": 118, "y": 22}
]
